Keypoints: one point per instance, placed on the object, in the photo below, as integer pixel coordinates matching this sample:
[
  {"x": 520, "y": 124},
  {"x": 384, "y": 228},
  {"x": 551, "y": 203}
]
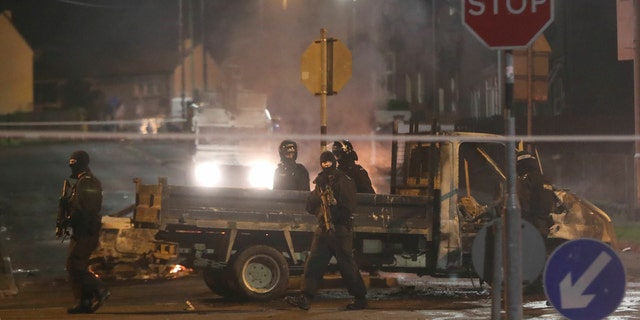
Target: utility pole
[
  {"x": 203, "y": 37},
  {"x": 436, "y": 89},
  {"x": 192, "y": 56},
  {"x": 530, "y": 90},
  {"x": 636, "y": 93},
  {"x": 181, "y": 62}
]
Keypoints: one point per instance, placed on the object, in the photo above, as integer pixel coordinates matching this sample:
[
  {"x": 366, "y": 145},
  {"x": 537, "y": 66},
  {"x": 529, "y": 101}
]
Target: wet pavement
[{"x": 188, "y": 298}]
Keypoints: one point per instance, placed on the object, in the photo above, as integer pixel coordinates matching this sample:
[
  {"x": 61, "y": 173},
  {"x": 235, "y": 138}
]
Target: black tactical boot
[
  {"x": 84, "y": 306},
  {"x": 358, "y": 304},
  {"x": 300, "y": 301},
  {"x": 101, "y": 297}
]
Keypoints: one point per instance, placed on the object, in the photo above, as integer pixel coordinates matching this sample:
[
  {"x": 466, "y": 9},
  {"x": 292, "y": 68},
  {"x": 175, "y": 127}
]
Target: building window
[
  {"x": 452, "y": 90},
  {"x": 492, "y": 102},
  {"x": 389, "y": 73},
  {"x": 419, "y": 90},
  {"x": 476, "y": 98},
  {"x": 407, "y": 88}
]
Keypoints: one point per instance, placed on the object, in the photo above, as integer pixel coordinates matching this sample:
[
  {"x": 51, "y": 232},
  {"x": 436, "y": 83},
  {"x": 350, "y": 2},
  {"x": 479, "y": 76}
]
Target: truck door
[{"x": 481, "y": 187}]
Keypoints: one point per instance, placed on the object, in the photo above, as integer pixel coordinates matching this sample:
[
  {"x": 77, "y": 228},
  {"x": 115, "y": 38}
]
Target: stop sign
[{"x": 507, "y": 24}]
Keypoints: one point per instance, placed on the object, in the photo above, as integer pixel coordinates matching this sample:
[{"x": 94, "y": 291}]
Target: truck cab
[{"x": 465, "y": 175}]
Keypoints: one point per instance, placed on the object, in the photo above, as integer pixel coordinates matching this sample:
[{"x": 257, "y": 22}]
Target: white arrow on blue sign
[{"x": 584, "y": 279}]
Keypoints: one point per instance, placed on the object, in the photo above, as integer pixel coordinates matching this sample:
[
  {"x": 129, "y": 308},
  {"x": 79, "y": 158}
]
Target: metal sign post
[
  {"x": 323, "y": 87},
  {"x": 508, "y": 25},
  {"x": 325, "y": 69}
]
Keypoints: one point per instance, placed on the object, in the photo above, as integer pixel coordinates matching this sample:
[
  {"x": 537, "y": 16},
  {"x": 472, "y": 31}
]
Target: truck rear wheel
[
  {"x": 261, "y": 272},
  {"x": 220, "y": 282}
]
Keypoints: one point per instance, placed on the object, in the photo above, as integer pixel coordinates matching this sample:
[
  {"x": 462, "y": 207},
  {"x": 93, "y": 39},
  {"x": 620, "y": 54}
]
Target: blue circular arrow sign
[{"x": 584, "y": 279}]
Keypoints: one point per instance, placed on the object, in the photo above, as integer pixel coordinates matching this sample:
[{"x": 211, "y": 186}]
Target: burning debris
[{"x": 133, "y": 253}]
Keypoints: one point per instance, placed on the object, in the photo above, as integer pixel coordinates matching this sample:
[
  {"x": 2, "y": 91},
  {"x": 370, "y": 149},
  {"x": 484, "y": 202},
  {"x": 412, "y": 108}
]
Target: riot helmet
[
  {"x": 526, "y": 162},
  {"x": 288, "y": 147},
  {"x": 343, "y": 150}
]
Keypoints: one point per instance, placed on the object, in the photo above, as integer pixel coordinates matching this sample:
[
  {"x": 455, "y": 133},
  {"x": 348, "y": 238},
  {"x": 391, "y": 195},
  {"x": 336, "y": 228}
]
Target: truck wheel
[
  {"x": 219, "y": 282},
  {"x": 262, "y": 273}
]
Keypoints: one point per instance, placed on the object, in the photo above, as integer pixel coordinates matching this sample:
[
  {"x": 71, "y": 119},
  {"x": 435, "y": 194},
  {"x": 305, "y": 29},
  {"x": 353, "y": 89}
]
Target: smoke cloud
[{"x": 267, "y": 38}]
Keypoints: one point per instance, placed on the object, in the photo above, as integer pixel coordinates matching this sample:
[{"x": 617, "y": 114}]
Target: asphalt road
[
  {"x": 188, "y": 298},
  {"x": 32, "y": 175}
]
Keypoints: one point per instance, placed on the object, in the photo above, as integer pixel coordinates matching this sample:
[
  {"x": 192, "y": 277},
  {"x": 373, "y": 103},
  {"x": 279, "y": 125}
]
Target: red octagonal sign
[{"x": 507, "y": 24}]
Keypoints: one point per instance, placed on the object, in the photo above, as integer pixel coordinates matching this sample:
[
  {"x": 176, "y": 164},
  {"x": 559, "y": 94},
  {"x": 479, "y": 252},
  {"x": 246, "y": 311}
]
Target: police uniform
[
  {"x": 347, "y": 157},
  {"x": 359, "y": 176},
  {"x": 335, "y": 242},
  {"x": 290, "y": 175},
  {"x": 85, "y": 220},
  {"x": 535, "y": 194}
]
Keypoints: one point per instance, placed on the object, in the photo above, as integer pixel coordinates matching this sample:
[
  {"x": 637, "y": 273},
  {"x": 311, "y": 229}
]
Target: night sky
[
  {"x": 81, "y": 33},
  {"x": 76, "y": 37}
]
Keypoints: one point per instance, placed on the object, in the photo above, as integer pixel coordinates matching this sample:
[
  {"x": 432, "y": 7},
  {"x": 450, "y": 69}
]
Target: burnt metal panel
[
  {"x": 393, "y": 214},
  {"x": 235, "y": 208}
]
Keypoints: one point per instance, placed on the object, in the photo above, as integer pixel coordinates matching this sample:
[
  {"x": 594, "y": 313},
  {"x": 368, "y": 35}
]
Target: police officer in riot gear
[
  {"x": 85, "y": 221},
  {"x": 347, "y": 157},
  {"x": 333, "y": 237},
  {"x": 289, "y": 174},
  {"x": 535, "y": 193}
]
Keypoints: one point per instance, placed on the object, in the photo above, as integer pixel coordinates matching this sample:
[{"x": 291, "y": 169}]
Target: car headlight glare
[
  {"x": 261, "y": 175},
  {"x": 207, "y": 174}
]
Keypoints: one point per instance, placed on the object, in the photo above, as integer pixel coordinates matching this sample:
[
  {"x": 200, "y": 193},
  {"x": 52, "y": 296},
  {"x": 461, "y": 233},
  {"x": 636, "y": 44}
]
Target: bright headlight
[
  {"x": 261, "y": 175},
  {"x": 207, "y": 174}
]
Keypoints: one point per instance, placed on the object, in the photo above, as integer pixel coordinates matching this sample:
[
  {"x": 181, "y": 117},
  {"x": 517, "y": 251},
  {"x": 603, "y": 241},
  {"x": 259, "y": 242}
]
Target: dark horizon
[{"x": 73, "y": 36}]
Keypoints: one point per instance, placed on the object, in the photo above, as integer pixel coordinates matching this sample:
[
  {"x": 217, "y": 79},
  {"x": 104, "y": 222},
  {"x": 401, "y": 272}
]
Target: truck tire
[
  {"x": 261, "y": 272},
  {"x": 220, "y": 282}
]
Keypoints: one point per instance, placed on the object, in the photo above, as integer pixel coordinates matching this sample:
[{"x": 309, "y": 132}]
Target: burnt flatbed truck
[{"x": 248, "y": 242}]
